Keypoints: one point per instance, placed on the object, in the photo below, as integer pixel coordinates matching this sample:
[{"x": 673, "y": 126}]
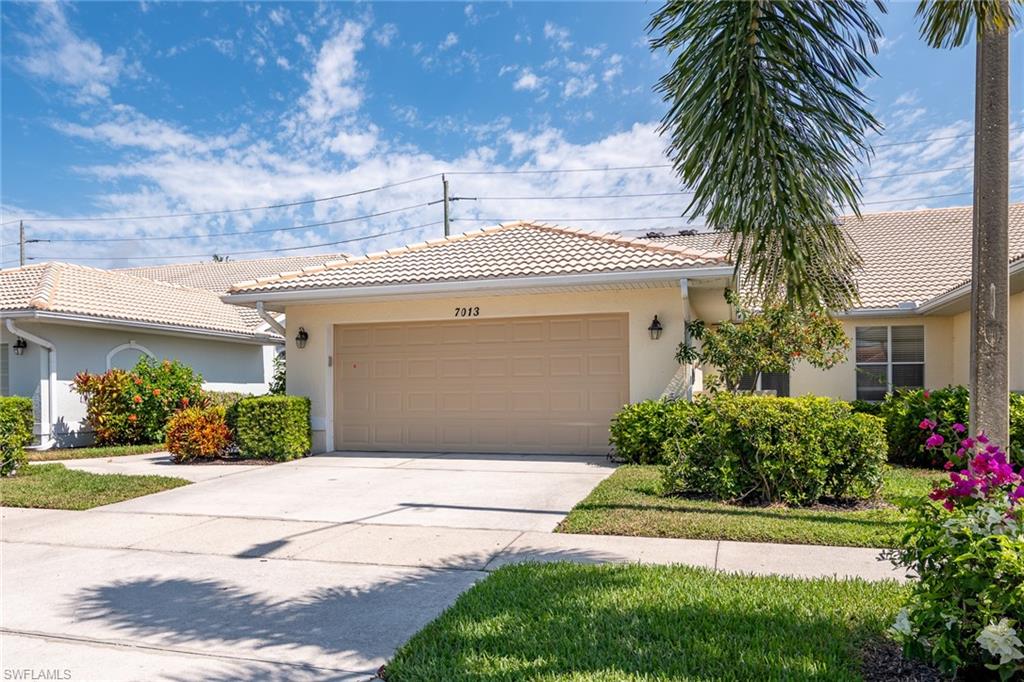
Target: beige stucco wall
[
  {"x": 841, "y": 380},
  {"x": 962, "y": 345},
  {"x": 651, "y": 363}
]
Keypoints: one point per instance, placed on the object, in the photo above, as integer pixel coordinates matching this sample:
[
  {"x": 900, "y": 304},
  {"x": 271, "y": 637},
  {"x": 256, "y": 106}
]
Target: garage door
[{"x": 536, "y": 384}]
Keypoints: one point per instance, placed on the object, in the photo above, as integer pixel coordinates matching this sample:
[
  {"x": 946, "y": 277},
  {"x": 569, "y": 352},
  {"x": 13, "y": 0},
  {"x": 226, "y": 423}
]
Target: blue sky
[{"x": 124, "y": 109}]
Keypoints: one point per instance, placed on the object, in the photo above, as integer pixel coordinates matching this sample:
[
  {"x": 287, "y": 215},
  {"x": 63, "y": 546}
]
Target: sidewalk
[{"x": 422, "y": 546}]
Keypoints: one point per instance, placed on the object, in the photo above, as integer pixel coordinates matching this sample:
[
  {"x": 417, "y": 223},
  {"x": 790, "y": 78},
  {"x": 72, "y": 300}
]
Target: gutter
[
  {"x": 1015, "y": 268},
  {"x": 466, "y": 286},
  {"x": 45, "y": 419},
  {"x": 270, "y": 320},
  {"x": 175, "y": 330}
]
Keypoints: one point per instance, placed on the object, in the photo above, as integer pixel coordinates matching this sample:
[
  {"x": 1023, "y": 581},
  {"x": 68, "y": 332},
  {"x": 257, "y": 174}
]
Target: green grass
[
  {"x": 87, "y": 452},
  {"x": 627, "y": 503},
  {"x": 646, "y": 623},
  {"x": 52, "y": 486}
]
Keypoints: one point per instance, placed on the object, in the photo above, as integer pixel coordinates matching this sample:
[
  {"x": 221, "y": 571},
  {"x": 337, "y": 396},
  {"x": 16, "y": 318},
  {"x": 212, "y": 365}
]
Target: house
[
  {"x": 527, "y": 337},
  {"x": 58, "y": 319},
  {"x": 912, "y": 325}
]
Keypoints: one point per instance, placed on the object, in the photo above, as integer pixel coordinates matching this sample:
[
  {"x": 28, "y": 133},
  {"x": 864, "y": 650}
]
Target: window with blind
[
  {"x": 767, "y": 381},
  {"x": 889, "y": 358}
]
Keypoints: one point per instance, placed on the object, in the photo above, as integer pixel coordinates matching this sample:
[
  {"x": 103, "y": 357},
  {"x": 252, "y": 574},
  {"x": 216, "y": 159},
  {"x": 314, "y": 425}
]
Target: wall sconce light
[
  {"x": 20, "y": 346},
  {"x": 655, "y": 329},
  {"x": 301, "y": 338}
]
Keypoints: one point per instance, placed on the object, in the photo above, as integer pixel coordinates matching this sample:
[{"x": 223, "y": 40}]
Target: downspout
[
  {"x": 46, "y": 419},
  {"x": 270, "y": 320}
]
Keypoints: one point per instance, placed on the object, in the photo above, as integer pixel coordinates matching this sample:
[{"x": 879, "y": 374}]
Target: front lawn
[
  {"x": 53, "y": 486},
  {"x": 627, "y": 503},
  {"x": 633, "y": 623},
  {"x": 93, "y": 451}
]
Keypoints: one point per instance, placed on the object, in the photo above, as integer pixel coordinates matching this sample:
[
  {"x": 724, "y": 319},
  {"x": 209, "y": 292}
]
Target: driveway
[{"x": 313, "y": 569}]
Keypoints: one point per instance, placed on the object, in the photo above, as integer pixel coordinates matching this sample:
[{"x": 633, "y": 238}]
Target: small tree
[
  {"x": 278, "y": 383},
  {"x": 767, "y": 340}
]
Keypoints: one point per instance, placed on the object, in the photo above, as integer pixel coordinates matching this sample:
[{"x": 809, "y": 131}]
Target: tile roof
[
  {"x": 219, "y": 277},
  {"x": 521, "y": 249},
  {"x": 908, "y": 255},
  {"x": 80, "y": 290}
]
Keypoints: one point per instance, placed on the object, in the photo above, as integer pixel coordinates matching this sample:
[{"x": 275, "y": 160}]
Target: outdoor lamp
[
  {"x": 20, "y": 346},
  {"x": 301, "y": 338},
  {"x": 655, "y": 329}
]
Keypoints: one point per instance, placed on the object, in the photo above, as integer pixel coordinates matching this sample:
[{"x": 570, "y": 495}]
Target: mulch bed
[{"x": 883, "y": 661}]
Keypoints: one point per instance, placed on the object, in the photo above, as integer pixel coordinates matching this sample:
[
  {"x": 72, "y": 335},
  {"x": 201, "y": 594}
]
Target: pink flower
[
  {"x": 927, "y": 395},
  {"x": 934, "y": 441},
  {"x": 926, "y": 425},
  {"x": 959, "y": 428}
]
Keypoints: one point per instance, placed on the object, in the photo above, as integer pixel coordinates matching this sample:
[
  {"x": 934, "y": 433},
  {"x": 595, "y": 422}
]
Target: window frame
[
  {"x": 889, "y": 362},
  {"x": 759, "y": 384}
]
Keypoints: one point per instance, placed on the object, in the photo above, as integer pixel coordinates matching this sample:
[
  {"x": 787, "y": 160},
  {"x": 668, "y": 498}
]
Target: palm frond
[
  {"x": 766, "y": 125},
  {"x": 948, "y": 23}
]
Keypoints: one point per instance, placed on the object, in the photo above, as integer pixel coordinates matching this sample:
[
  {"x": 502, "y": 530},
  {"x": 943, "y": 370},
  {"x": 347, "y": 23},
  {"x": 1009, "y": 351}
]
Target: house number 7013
[{"x": 468, "y": 312}]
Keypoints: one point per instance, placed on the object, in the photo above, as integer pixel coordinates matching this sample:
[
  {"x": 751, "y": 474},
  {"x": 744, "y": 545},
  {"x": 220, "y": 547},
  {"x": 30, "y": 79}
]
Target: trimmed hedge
[
  {"x": 229, "y": 401},
  {"x": 639, "y": 431},
  {"x": 763, "y": 449},
  {"x": 274, "y": 427},
  {"x": 16, "y": 421},
  {"x": 904, "y": 410}
]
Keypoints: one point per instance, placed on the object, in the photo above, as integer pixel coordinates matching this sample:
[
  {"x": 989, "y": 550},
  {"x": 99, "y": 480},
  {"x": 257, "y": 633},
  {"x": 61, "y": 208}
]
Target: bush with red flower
[
  {"x": 966, "y": 545},
  {"x": 134, "y": 407}
]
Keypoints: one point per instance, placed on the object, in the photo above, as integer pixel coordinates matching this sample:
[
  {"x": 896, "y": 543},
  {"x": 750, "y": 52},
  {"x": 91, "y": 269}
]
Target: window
[
  {"x": 767, "y": 381},
  {"x": 889, "y": 358},
  {"x": 5, "y": 370}
]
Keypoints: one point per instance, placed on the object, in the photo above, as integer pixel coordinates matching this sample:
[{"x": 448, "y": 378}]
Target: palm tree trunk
[{"x": 990, "y": 270}]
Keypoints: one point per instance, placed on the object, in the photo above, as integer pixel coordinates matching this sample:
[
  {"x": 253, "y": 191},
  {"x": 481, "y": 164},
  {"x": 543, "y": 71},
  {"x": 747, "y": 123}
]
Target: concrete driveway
[{"x": 313, "y": 569}]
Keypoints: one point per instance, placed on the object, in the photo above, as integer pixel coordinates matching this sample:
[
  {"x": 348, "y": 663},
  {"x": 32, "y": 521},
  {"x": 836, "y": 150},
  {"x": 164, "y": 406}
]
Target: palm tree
[{"x": 767, "y": 124}]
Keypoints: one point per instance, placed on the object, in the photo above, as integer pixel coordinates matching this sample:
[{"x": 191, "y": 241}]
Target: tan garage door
[{"x": 535, "y": 384}]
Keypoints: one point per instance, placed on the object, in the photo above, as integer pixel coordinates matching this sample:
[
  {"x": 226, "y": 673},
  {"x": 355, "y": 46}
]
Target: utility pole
[
  {"x": 21, "y": 241},
  {"x": 444, "y": 183}
]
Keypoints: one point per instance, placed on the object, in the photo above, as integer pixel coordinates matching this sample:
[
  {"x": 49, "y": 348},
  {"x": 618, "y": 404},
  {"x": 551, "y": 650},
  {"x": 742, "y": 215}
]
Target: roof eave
[
  {"x": 169, "y": 329},
  {"x": 1016, "y": 267},
  {"x": 250, "y": 297}
]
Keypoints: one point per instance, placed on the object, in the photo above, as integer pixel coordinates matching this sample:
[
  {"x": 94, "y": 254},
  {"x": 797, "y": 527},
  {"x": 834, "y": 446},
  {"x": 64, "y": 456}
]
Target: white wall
[{"x": 224, "y": 365}]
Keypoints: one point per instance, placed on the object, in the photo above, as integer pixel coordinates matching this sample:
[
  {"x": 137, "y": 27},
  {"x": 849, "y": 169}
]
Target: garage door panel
[{"x": 516, "y": 385}]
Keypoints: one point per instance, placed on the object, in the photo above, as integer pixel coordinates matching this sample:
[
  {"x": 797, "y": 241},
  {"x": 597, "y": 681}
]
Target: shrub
[
  {"x": 966, "y": 545},
  {"x": 125, "y": 408},
  {"x": 866, "y": 407},
  {"x": 229, "y": 401},
  {"x": 639, "y": 430},
  {"x": 767, "y": 449},
  {"x": 904, "y": 410},
  {"x": 16, "y": 421},
  {"x": 197, "y": 432},
  {"x": 109, "y": 410},
  {"x": 274, "y": 427}
]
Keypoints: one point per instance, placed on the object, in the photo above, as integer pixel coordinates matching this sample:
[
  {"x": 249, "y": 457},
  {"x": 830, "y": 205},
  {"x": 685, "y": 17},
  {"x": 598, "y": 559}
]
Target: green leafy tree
[
  {"x": 279, "y": 382},
  {"x": 766, "y": 126},
  {"x": 767, "y": 340}
]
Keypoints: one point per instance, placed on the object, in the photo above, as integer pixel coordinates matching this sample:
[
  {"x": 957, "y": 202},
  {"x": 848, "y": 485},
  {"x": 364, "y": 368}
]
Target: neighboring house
[
  {"x": 59, "y": 319},
  {"x": 912, "y": 325},
  {"x": 528, "y": 337},
  {"x": 98, "y": 319}
]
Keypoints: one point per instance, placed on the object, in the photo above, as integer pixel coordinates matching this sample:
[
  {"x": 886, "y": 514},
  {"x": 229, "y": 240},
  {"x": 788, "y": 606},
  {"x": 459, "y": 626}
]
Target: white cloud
[
  {"x": 523, "y": 38},
  {"x": 56, "y": 53},
  {"x": 355, "y": 145},
  {"x": 576, "y": 67},
  {"x": 450, "y": 41},
  {"x": 614, "y": 69},
  {"x": 278, "y": 15},
  {"x": 472, "y": 18},
  {"x": 593, "y": 52},
  {"x": 332, "y": 85},
  {"x": 557, "y": 34},
  {"x": 528, "y": 80},
  {"x": 283, "y": 62},
  {"x": 127, "y": 127},
  {"x": 384, "y": 35},
  {"x": 579, "y": 87}
]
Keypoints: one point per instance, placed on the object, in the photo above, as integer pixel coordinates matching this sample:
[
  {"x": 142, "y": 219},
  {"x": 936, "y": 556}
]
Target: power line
[
  {"x": 240, "y": 232},
  {"x": 933, "y": 196},
  {"x": 399, "y": 183},
  {"x": 250, "y": 252},
  {"x": 227, "y": 210}
]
